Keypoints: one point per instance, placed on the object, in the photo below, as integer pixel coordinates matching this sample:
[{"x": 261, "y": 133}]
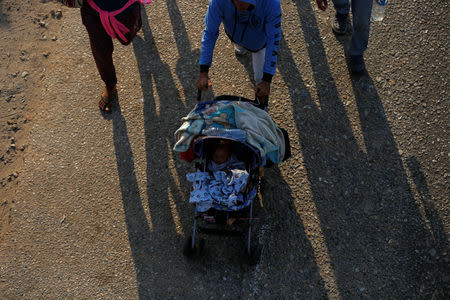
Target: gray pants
[
  {"x": 361, "y": 10},
  {"x": 258, "y": 60}
]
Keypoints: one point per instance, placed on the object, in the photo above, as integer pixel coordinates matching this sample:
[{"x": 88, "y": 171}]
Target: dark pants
[
  {"x": 101, "y": 43},
  {"x": 361, "y": 11}
]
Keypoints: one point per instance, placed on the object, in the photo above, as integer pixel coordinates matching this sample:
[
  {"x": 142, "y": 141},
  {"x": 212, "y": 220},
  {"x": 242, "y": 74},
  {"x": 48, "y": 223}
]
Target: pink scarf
[{"x": 113, "y": 27}]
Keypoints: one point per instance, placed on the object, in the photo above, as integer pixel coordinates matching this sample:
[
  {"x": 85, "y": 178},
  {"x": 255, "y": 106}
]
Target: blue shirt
[{"x": 253, "y": 29}]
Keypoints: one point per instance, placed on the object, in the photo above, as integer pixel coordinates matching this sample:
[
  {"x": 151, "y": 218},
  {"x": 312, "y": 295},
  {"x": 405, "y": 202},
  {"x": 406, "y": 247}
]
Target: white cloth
[
  {"x": 258, "y": 60},
  {"x": 221, "y": 188},
  {"x": 261, "y": 131}
]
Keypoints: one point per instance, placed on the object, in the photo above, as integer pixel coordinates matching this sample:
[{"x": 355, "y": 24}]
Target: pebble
[
  {"x": 54, "y": 38},
  {"x": 24, "y": 74}
]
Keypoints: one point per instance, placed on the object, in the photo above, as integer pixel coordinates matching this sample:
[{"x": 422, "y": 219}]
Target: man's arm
[
  {"x": 273, "y": 35},
  {"x": 213, "y": 19}
]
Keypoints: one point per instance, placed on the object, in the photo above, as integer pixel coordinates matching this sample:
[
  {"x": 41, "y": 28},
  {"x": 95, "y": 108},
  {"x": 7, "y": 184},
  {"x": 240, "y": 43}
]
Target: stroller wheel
[{"x": 187, "y": 249}]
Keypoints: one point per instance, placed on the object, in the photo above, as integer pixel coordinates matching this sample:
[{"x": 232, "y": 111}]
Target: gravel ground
[{"x": 360, "y": 210}]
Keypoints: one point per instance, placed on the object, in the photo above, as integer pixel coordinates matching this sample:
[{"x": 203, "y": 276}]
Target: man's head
[{"x": 242, "y": 5}]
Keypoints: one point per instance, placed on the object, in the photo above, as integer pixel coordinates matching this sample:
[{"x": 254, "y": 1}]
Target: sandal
[{"x": 105, "y": 103}]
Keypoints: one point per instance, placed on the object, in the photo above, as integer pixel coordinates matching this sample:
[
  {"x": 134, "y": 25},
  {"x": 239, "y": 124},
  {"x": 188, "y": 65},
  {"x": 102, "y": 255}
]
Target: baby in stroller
[
  {"x": 224, "y": 179},
  {"x": 223, "y": 159},
  {"x": 231, "y": 140}
]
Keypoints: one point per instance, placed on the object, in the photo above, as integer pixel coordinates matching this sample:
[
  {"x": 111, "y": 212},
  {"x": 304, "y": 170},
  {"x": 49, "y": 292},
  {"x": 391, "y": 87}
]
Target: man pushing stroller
[{"x": 252, "y": 26}]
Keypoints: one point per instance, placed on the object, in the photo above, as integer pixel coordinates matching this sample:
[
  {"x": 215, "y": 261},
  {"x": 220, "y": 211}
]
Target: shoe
[
  {"x": 240, "y": 50},
  {"x": 107, "y": 98},
  {"x": 339, "y": 24},
  {"x": 357, "y": 65}
]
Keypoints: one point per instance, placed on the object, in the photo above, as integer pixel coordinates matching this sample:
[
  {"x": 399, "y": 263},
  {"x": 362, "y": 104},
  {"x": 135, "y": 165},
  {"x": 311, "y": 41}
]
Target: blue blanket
[{"x": 261, "y": 131}]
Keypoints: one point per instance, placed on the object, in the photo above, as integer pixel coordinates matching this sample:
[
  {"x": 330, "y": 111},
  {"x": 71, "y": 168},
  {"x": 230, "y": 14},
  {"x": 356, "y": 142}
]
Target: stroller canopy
[{"x": 237, "y": 120}]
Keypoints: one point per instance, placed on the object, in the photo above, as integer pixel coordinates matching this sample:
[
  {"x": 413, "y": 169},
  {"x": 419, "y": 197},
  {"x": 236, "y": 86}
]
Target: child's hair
[
  {"x": 221, "y": 144},
  {"x": 221, "y": 151}
]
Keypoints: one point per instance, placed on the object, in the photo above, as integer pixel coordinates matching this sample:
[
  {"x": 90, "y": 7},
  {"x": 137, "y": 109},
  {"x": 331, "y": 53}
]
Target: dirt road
[{"x": 96, "y": 206}]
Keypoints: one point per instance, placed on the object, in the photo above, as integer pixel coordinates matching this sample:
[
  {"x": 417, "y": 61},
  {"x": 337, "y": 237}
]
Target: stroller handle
[
  {"x": 256, "y": 102},
  {"x": 199, "y": 95}
]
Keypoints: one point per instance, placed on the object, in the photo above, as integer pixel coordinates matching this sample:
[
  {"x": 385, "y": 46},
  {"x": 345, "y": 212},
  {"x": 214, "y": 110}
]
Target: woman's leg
[{"x": 101, "y": 46}]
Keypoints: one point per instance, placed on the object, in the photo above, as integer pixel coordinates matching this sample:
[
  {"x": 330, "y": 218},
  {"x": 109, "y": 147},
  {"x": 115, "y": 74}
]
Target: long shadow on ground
[
  {"x": 4, "y": 18},
  {"x": 156, "y": 243},
  {"x": 187, "y": 64},
  {"x": 372, "y": 226},
  {"x": 151, "y": 237},
  {"x": 165, "y": 190}
]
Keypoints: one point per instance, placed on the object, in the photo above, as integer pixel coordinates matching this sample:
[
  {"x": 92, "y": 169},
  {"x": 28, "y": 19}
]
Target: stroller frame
[
  {"x": 190, "y": 247},
  {"x": 250, "y": 254},
  {"x": 219, "y": 218}
]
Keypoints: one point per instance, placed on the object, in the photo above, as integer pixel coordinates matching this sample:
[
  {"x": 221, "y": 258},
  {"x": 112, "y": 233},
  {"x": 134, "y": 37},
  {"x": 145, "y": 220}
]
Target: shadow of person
[
  {"x": 162, "y": 105},
  {"x": 372, "y": 227},
  {"x": 137, "y": 225},
  {"x": 166, "y": 222},
  {"x": 187, "y": 65},
  {"x": 387, "y": 166},
  {"x": 4, "y": 18},
  {"x": 439, "y": 245}
]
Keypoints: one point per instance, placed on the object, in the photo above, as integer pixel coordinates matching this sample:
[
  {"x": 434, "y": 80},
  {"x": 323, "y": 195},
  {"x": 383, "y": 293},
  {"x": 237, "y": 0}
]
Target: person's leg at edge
[
  {"x": 340, "y": 21},
  {"x": 102, "y": 48},
  {"x": 361, "y": 10}
]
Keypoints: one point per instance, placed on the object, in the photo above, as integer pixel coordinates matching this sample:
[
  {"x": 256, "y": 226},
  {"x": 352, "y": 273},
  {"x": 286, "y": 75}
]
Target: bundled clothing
[
  {"x": 220, "y": 188},
  {"x": 260, "y": 130},
  {"x": 255, "y": 29}
]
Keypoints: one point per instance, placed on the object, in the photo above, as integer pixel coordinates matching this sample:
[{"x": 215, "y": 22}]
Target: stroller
[{"x": 206, "y": 125}]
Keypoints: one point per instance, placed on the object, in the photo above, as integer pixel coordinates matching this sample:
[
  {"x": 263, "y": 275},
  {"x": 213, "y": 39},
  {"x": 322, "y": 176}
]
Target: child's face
[{"x": 221, "y": 155}]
